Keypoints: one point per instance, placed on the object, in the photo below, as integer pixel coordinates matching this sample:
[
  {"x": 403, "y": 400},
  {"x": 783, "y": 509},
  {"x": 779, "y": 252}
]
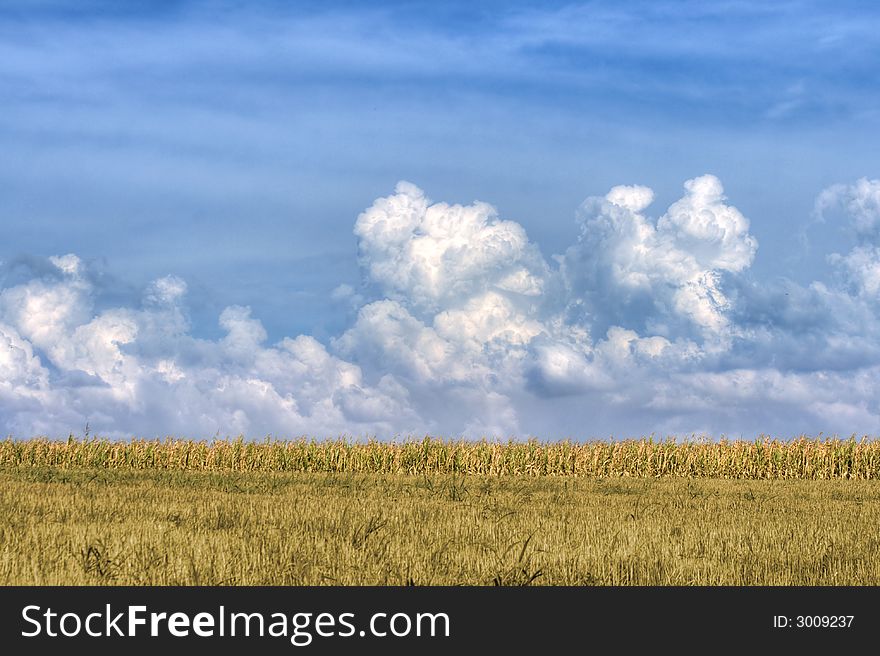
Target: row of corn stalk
[{"x": 764, "y": 458}]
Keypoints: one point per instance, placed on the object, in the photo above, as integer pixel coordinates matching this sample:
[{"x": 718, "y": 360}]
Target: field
[{"x": 805, "y": 512}]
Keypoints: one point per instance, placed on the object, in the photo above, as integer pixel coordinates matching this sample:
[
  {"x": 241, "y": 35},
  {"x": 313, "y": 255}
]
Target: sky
[{"x": 501, "y": 219}]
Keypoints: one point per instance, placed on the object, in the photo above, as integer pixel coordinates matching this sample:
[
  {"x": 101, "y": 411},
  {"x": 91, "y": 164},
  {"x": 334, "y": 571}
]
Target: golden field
[
  {"x": 805, "y": 512},
  {"x": 800, "y": 459}
]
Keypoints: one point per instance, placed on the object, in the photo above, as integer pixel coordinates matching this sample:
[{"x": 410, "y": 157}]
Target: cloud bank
[{"x": 463, "y": 327}]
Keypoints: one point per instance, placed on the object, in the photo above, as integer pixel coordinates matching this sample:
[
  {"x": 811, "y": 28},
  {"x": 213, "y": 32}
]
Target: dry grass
[{"x": 127, "y": 525}]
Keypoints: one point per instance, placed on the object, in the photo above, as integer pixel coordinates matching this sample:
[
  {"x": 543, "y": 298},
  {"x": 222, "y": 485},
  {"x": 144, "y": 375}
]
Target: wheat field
[{"x": 429, "y": 512}]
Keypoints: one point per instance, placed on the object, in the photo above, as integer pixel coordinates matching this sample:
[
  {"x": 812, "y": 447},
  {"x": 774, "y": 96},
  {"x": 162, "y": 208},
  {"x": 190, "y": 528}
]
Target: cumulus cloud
[
  {"x": 857, "y": 207},
  {"x": 856, "y": 204},
  {"x": 463, "y": 328},
  {"x": 165, "y": 291},
  {"x": 128, "y": 371},
  {"x": 20, "y": 369},
  {"x": 861, "y": 268},
  {"x": 431, "y": 255},
  {"x": 662, "y": 276}
]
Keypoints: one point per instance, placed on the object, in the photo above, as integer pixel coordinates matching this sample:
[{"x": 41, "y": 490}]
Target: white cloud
[
  {"x": 857, "y": 207},
  {"x": 43, "y": 311},
  {"x": 386, "y": 335},
  {"x": 559, "y": 369},
  {"x": 715, "y": 234},
  {"x": 432, "y": 256},
  {"x": 167, "y": 290},
  {"x": 664, "y": 272},
  {"x": 128, "y": 371},
  {"x": 644, "y": 326},
  {"x": 20, "y": 369},
  {"x": 857, "y": 204},
  {"x": 861, "y": 268}
]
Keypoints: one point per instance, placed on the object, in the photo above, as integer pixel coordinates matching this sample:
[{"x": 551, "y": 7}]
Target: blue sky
[{"x": 235, "y": 145}]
